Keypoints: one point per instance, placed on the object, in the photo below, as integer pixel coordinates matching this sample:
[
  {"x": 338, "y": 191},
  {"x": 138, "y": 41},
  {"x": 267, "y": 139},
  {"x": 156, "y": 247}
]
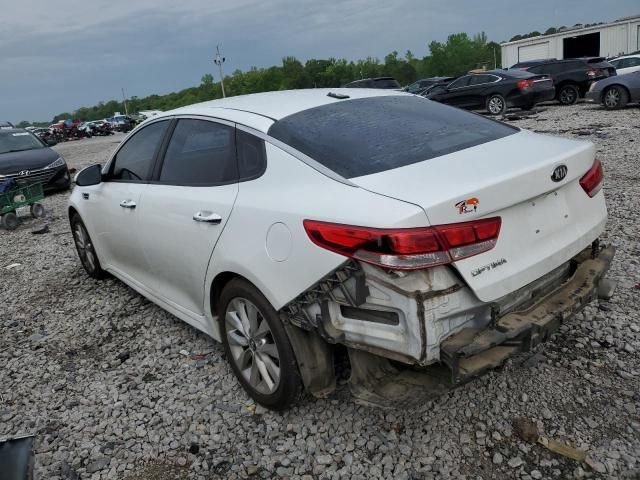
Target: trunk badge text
[
  {"x": 24, "y": 173},
  {"x": 559, "y": 173},
  {"x": 487, "y": 267}
]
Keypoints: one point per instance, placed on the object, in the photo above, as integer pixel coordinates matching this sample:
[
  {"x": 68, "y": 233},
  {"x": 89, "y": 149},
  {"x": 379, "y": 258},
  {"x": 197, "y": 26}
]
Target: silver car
[{"x": 615, "y": 92}]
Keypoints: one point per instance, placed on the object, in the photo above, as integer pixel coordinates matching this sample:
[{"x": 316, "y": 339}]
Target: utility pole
[
  {"x": 219, "y": 60},
  {"x": 124, "y": 100}
]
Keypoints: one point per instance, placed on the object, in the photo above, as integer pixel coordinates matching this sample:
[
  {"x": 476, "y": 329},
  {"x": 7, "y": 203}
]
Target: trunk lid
[{"x": 544, "y": 222}]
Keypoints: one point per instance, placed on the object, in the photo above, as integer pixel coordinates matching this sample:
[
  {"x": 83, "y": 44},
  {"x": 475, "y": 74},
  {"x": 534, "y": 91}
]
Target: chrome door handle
[
  {"x": 207, "y": 217},
  {"x": 128, "y": 204}
]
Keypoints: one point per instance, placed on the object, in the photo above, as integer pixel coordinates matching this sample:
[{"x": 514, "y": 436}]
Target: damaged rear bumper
[
  {"x": 470, "y": 351},
  {"x": 428, "y": 318}
]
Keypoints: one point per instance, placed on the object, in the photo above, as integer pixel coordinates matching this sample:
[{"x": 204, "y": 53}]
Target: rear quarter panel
[{"x": 284, "y": 263}]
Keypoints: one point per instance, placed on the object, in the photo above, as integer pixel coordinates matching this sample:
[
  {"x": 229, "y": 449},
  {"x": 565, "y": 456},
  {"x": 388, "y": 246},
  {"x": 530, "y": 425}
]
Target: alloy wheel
[
  {"x": 568, "y": 96},
  {"x": 252, "y": 345},
  {"x": 496, "y": 105},
  {"x": 612, "y": 98},
  {"x": 85, "y": 247}
]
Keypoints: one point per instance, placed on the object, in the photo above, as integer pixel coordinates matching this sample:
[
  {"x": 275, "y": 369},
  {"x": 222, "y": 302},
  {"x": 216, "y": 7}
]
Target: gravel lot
[{"x": 114, "y": 387}]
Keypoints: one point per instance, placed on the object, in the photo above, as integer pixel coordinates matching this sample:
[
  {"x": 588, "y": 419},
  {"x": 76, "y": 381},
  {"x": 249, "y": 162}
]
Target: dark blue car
[{"x": 27, "y": 159}]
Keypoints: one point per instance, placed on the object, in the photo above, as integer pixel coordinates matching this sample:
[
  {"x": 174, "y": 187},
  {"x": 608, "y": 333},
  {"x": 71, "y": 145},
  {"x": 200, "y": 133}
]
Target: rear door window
[
  {"x": 370, "y": 135},
  {"x": 461, "y": 82},
  {"x": 200, "y": 153},
  {"x": 482, "y": 79},
  {"x": 134, "y": 161}
]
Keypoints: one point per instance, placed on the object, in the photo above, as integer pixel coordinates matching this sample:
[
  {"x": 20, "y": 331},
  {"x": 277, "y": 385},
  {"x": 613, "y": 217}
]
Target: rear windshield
[{"x": 370, "y": 135}]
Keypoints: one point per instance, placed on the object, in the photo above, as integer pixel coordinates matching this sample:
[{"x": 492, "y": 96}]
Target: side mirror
[
  {"x": 51, "y": 142},
  {"x": 91, "y": 175}
]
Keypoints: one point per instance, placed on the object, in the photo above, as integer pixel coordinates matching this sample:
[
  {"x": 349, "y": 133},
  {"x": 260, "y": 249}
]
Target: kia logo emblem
[
  {"x": 559, "y": 173},
  {"x": 24, "y": 173}
]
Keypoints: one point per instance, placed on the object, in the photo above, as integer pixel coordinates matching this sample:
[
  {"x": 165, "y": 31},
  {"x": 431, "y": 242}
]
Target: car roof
[
  {"x": 13, "y": 130},
  {"x": 631, "y": 55},
  {"x": 261, "y": 110}
]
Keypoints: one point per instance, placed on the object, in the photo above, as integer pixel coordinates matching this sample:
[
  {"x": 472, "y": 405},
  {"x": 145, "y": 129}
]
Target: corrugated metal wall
[{"x": 615, "y": 39}]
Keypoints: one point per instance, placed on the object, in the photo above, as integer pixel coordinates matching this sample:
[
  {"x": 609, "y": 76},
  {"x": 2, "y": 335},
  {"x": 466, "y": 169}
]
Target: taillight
[
  {"x": 593, "y": 72},
  {"x": 522, "y": 84},
  {"x": 592, "y": 181},
  {"x": 406, "y": 248}
]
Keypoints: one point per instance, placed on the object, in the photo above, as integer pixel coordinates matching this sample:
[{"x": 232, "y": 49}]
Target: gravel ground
[{"x": 114, "y": 387}]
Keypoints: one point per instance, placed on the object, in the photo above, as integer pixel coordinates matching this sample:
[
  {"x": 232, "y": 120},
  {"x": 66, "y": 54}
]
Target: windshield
[
  {"x": 370, "y": 135},
  {"x": 18, "y": 141}
]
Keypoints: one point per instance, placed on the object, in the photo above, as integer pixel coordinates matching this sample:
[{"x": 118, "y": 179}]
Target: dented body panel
[{"x": 431, "y": 316}]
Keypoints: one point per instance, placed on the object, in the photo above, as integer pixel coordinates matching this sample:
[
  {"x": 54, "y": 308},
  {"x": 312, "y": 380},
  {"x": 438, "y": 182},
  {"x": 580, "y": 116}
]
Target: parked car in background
[
  {"x": 421, "y": 86},
  {"x": 121, "y": 123},
  {"x": 6, "y": 125},
  {"x": 626, "y": 64},
  {"x": 495, "y": 91},
  {"x": 572, "y": 77},
  {"x": 286, "y": 222},
  {"x": 380, "y": 82},
  {"x": 25, "y": 158},
  {"x": 616, "y": 92}
]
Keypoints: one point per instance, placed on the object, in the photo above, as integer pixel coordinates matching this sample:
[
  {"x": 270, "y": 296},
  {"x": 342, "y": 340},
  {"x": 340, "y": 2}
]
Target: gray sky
[{"x": 63, "y": 54}]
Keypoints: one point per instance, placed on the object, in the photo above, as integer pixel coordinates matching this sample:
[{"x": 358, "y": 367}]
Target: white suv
[{"x": 285, "y": 223}]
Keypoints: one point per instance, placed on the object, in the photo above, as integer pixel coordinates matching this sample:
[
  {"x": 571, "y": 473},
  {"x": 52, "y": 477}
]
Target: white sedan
[
  {"x": 286, "y": 223},
  {"x": 626, "y": 64}
]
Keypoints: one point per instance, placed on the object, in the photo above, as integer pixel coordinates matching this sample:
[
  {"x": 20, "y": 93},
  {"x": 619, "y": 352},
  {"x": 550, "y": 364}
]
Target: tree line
[{"x": 457, "y": 55}]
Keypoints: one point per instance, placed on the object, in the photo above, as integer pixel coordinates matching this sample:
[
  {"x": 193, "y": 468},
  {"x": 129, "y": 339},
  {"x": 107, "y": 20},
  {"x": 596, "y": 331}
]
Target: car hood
[{"x": 15, "y": 162}]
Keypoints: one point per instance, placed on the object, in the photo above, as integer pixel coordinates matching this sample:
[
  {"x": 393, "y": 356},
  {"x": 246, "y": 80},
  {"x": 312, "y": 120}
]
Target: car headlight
[{"x": 58, "y": 163}]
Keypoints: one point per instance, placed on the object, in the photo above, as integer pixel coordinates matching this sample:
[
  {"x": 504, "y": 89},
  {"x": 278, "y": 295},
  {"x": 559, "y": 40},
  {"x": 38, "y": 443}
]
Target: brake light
[
  {"x": 522, "y": 84},
  {"x": 406, "y": 248},
  {"x": 592, "y": 181}
]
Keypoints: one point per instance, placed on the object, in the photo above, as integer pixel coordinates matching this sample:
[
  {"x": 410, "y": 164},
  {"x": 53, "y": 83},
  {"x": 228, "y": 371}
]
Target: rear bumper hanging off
[{"x": 470, "y": 352}]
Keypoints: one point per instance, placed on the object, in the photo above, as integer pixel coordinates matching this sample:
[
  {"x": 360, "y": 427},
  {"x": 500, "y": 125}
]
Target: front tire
[
  {"x": 496, "y": 104},
  {"x": 568, "y": 95},
  {"x": 84, "y": 247},
  {"x": 257, "y": 346},
  {"x": 615, "y": 97}
]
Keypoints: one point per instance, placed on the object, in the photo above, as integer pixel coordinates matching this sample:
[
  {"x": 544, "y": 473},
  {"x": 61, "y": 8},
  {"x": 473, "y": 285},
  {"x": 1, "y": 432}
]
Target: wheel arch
[
  {"x": 314, "y": 356},
  {"x": 624, "y": 87},
  {"x": 71, "y": 211}
]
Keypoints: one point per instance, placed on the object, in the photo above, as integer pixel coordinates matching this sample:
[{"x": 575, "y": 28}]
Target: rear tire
[
  {"x": 85, "y": 248},
  {"x": 10, "y": 221},
  {"x": 257, "y": 346},
  {"x": 568, "y": 95},
  {"x": 496, "y": 104},
  {"x": 615, "y": 97}
]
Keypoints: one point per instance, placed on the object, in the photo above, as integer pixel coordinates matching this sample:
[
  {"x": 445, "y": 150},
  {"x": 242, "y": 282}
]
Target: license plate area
[{"x": 547, "y": 214}]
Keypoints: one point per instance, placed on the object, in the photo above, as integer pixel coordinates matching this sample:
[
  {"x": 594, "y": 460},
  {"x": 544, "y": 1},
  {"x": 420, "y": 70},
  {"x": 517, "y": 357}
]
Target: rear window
[{"x": 370, "y": 135}]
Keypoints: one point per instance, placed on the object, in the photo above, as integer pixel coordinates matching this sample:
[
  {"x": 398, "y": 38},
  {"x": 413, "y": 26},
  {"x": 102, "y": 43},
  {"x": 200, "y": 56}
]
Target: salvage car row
[{"x": 527, "y": 83}]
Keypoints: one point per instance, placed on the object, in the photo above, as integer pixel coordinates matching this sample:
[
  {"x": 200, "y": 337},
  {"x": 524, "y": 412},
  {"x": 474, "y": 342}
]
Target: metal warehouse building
[{"x": 606, "y": 40}]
